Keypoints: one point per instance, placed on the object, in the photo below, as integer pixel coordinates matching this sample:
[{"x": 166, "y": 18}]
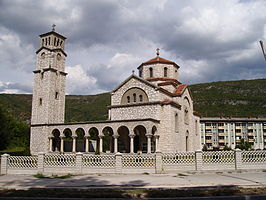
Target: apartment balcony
[
  {"x": 208, "y": 141},
  {"x": 238, "y": 134},
  {"x": 208, "y": 134},
  {"x": 238, "y": 127},
  {"x": 221, "y": 141},
  {"x": 220, "y": 127},
  {"x": 221, "y": 134},
  {"x": 221, "y": 147},
  {"x": 250, "y": 127},
  {"x": 264, "y": 133},
  {"x": 251, "y": 134},
  {"x": 251, "y": 140}
]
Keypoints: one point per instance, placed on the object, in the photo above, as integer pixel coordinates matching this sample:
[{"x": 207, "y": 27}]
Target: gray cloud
[{"x": 210, "y": 40}]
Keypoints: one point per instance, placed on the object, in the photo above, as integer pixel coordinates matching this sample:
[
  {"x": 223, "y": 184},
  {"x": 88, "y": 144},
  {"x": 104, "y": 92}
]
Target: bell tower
[{"x": 48, "y": 100}]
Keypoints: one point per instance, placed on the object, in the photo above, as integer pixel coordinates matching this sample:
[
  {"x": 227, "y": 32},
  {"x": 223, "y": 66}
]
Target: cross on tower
[
  {"x": 157, "y": 52},
  {"x": 53, "y": 27}
]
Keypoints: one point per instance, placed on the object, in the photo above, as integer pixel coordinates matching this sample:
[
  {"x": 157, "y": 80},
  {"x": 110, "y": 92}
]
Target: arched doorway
[
  {"x": 80, "y": 141},
  {"x": 68, "y": 141},
  {"x": 123, "y": 140},
  {"x": 56, "y": 140},
  {"x": 140, "y": 139},
  {"x": 94, "y": 142},
  {"x": 108, "y": 140}
]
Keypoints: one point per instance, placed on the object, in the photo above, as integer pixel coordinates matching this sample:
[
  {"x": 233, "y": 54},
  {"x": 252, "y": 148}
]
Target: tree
[{"x": 244, "y": 145}]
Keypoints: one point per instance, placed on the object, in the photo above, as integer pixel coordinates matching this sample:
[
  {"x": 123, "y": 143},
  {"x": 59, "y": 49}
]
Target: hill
[{"x": 242, "y": 98}]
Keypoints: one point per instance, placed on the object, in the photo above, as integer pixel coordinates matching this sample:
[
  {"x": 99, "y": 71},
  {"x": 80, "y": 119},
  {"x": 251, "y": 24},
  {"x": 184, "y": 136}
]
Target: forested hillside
[{"x": 228, "y": 98}]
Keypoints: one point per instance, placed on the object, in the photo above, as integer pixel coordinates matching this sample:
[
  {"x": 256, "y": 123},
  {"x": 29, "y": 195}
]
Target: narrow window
[
  {"x": 61, "y": 43},
  {"x": 54, "y": 41},
  {"x": 56, "y": 95},
  {"x": 57, "y": 43},
  {"x": 176, "y": 122},
  {"x": 42, "y": 75},
  {"x": 40, "y": 101},
  {"x": 140, "y": 73},
  {"x": 128, "y": 99},
  {"x": 42, "y": 42},
  {"x": 134, "y": 97},
  {"x": 140, "y": 98},
  {"x": 165, "y": 72},
  {"x": 186, "y": 116},
  {"x": 49, "y": 39},
  {"x": 45, "y": 41},
  {"x": 151, "y": 72}
]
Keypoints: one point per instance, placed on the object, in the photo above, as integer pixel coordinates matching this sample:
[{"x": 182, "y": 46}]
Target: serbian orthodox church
[{"x": 151, "y": 112}]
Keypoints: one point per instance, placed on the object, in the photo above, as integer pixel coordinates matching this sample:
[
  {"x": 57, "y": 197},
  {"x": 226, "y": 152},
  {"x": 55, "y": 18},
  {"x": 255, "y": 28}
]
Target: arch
[
  {"x": 123, "y": 139},
  {"x": 132, "y": 94},
  {"x": 68, "y": 141},
  {"x": 140, "y": 139},
  {"x": 80, "y": 141},
  {"x": 165, "y": 70},
  {"x": 187, "y": 100},
  {"x": 108, "y": 140},
  {"x": 56, "y": 140},
  {"x": 94, "y": 142},
  {"x": 151, "y": 72}
]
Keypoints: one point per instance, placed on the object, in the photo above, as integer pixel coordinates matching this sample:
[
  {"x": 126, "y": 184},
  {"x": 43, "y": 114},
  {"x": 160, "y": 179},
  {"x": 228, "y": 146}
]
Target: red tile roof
[
  {"x": 180, "y": 89},
  {"x": 159, "y": 60}
]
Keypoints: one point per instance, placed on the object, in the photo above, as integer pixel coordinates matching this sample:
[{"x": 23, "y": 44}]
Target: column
[
  {"x": 149, "y": 142},
  {"x": 62, "y": 144},
  {"x": 50, "y": 144},
  {"x": 132, "y": 142},
  {"x": 74, "y": 144},
  {"x": 101, "y": 143},
  {"x": 157, "y": 143},
  {"x": 238, "y": 159},
  {"x": 115, "y": 143},
  {"x": 86, "y": 143},
  {"x": 40, "y": 162}
]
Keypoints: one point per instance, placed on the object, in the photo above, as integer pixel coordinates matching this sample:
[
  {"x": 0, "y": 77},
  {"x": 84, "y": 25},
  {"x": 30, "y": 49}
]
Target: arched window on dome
[
  {"x": 140, "y": 98},
  {"x": 128, "y": 99},
  {"x": 165, "y": 72},
  {"x": 134, "y": 97},
  {"x": 151, "y": 72}
]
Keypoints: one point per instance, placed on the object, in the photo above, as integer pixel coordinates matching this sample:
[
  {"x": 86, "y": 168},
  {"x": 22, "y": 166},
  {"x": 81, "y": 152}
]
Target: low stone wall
[{"x": 80, "y": 163}]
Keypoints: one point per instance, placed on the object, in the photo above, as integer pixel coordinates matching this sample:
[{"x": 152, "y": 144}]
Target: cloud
[
  {"x": 14, "y": 88},
  {"x": 210, "y": 40}
]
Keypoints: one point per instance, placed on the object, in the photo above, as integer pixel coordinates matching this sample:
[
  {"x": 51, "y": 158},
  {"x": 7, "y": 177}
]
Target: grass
[
  {"x": 40, "y": 175},
  {"x": 135, "y": 193}
]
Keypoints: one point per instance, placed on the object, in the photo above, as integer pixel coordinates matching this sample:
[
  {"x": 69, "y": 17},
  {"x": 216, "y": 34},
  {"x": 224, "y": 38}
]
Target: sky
[{"x": 107, "y": 39}]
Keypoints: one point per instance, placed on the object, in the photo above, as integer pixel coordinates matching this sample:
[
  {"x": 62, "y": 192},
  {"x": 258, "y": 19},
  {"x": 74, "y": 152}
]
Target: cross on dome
[
  {"x": 157, "y": 52},
  {"x": 53, "y": 27}
]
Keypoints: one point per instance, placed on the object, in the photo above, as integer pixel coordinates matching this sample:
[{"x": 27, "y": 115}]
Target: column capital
[
  {"x": 86, "y": 136},
  {"x": 131, "y": 135},
  {"x": 101, "y": 136},
  {"x": 74, "y": 137},
  {"x": 116, "y": 136},
  {"x": 148, "y": 135}
]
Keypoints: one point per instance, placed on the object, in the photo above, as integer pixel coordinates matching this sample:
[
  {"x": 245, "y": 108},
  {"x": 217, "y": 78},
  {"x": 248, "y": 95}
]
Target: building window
[
  {"x": 176, "y": 122},
  {"x": 140, "y": 73},
  {"x": 56, "y": 95},
  {"x": 151, "y": 72},
  {"x": 186, "y": 116},
  {"x": 128, "y": 99},
  {"x": 134, "y": 97},
  {"x": 140, "y": 98},
  {"x": 165, "y": 72},
  {"x": 42, "y": 75},
  {"x": 40, "y": 101}
]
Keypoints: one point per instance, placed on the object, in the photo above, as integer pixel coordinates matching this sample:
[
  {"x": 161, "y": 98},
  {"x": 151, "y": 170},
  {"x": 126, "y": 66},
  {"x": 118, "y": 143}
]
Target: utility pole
[{"x": 262, "y": 48}]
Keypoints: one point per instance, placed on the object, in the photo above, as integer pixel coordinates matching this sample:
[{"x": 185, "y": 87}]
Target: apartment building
[{"x": 217, "y": 133}]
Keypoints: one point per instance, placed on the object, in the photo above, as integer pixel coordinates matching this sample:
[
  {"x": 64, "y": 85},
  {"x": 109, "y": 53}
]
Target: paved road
[{"x": 182, "y": 179}]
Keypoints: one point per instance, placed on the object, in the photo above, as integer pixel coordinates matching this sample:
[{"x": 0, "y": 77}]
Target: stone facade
[{"x": 148, "y": 113}]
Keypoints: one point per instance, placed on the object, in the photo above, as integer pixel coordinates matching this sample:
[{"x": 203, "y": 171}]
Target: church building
[{"x": 151, "y": 112}]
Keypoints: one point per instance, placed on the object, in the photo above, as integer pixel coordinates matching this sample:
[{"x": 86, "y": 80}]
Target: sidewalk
[{"x": 182, "y": 179}]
